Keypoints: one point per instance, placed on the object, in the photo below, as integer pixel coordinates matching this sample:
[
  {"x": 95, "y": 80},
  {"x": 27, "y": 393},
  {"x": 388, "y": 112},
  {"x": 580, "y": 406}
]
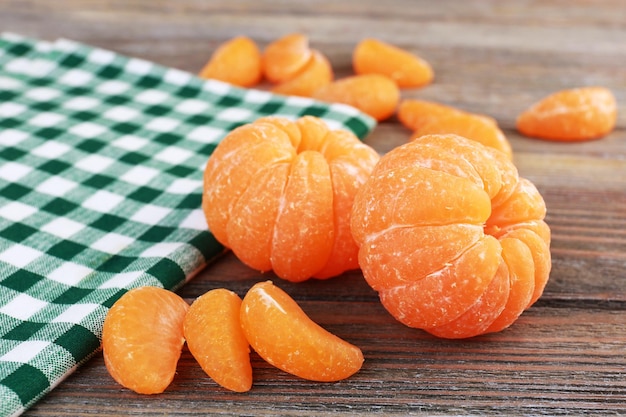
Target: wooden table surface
[{"x": 564, "y": 356}]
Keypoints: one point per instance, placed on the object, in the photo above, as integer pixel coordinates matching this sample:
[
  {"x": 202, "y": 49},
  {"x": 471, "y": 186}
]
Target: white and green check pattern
[{"x": 101, "y": 160}]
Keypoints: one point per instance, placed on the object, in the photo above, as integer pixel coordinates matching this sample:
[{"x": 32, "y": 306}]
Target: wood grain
[{"x": 564, "y": 356}]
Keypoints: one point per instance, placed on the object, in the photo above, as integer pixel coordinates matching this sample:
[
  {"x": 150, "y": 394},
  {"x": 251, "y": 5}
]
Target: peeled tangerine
[
  {"x": 279, "y": 194},
  {"x": 451, "y": 238},
  {"x": 282, "y": 334}
]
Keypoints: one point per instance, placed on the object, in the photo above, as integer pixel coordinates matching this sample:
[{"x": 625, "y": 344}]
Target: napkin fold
[{"x": 101, "y": 161}]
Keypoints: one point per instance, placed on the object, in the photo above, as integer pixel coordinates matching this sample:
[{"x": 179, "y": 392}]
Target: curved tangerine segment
[
  {"x": 521, "y": 268},
  {"x": 250, "y": 227},
  {"x": 440, "y": 153},
  {"x": 215, "y": 338},
  {"x": 541, "y": 258},
  {"x": 286, "y": 57},
  {"x": 414, "y": 196},
  {"x": 571, "y": 115},
  {"x": 237, "y": 61},
  {"x": 479, "y": 316},
  {"x": 286, "y": 125},
  {"x": 400, "y": 255},
  {"x": 239, "y": 156},
  {"x": 525, "y": 204},
  {"x": 283, "y": 335},
  {"x": 142, "y": 338},
  {"x": 482, "y": 164},
  {"x": 415, "y": 114},
  {"x": 471, "y": 127},
  {"x": 373, "y": 94},
  {"x": 316, "y": 74},
  {"x": 314, "y": 133},
  {"x": 350, "y": 162},
  {"x": 406, "y": 69},
  {"x": 444, "y": 295},
  {"x": 304, "y": 230}
]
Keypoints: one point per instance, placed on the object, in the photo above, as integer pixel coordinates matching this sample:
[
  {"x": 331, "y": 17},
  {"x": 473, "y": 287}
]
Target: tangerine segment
[
  {"x": 237, "y": 61},
  {"x": 214, "y": 336},
  {"x": 234, "y": 163},
  {"x": 250, "y": 234},
  {"x": 304, "y": 232},
  {"x": 421, "y": 250},
  {"x": 453, "y": 285},
  {"x": 350, "y": 163},
  {"x": 316, "y": 74},
  {"x": 374, "y": 94},
  {"x": 446, "y": 294},
  {"x": 406, "y": 69},
  {"x": 142, "y": 338},
  {"x": 285, "y": 57},
  {"x": 279, "y": 194},
  {"x": 282, "y": 334},
  {"x": 485, "y": 310},
  {"x": 421, "y": 197},
  {"x": 516, "y": 254},
  {"x": 571, "y": 115},
  {"x": 469, "y": 126},
  {"x": 415, "y": 114}
]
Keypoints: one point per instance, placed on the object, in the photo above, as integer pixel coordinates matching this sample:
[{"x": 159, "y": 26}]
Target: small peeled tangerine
[
  {"x": 451, "y": 238},
  {"x": 279, "y": 194}
]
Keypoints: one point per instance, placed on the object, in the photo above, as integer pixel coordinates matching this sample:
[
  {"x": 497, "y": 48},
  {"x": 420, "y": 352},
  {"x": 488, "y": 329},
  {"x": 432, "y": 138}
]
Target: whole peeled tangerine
[
  {"x": 279, "y": 193},
  {"x": 451, "y": 238}
]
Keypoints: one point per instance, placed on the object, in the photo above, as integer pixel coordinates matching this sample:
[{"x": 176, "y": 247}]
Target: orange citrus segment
[
  {"x": 241, "y": 155},
  {"x": 374, "y": 94},
  {"x": 456, "y": 275},
  {"x": 571, "y": 115},
  {"x": 414, "y": 114},
  {"x": 314, "y": 75},
  {"x": 237, "y": 61},
  {"x": 406, "y": 69},
  {"x": 446, "y": 294},
  {"x": 251, "y": 224},
  {"x": 285, "y": 57},
  {"x": 215, "y": 338},
  {"x": 518, "y": 259},
  {"x": 470, "y": 126},
  {"x": 142, "y": 338},
  {"x": 430, "y": 200},
  {"x": 304, "y": 231},
  {"x": 477, "y": 319},
  {"x": 422, "y": 250},
  {"x": 282, "y": 334}
]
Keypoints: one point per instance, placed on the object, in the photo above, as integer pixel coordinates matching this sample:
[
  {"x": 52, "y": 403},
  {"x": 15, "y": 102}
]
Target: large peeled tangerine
[{"x": 451, "y": 238}]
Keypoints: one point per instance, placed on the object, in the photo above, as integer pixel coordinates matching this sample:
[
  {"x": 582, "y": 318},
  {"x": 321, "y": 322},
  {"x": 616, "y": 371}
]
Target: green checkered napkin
[{"x": 101, "y": 160}]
